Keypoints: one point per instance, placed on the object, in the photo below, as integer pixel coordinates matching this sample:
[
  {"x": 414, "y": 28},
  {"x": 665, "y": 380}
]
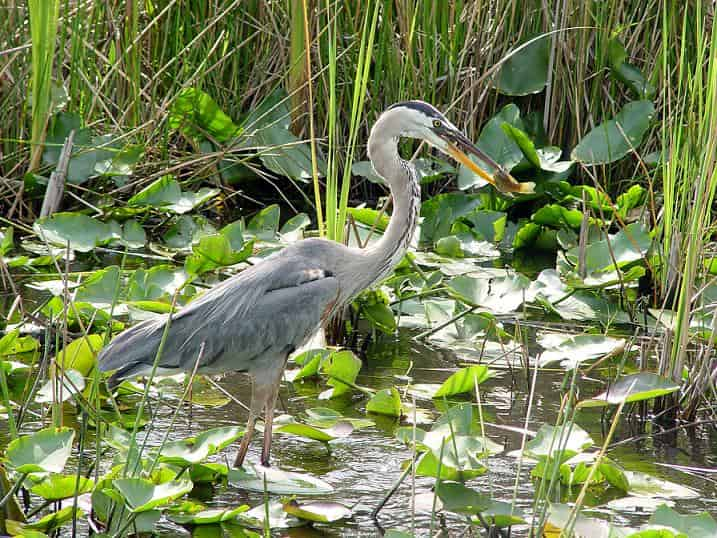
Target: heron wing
[{"x": 242, "y": 324}]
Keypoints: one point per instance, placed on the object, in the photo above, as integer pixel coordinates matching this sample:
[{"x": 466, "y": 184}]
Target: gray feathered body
[{"x": 252, "y": 321}]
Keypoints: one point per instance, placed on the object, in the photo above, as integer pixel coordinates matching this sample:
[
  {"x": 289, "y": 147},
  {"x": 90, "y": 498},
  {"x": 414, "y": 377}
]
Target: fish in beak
[{"x": 459, "y": 147}]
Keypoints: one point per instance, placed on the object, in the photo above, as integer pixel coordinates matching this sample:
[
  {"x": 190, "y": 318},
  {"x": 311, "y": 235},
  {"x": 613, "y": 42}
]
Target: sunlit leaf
[
  {"x": 206, "y": 517},
  {"x": 82, "y": 232},
  {"x": 461, "y": 499},
  {"x": 626, "y": 72},
  {"x": 324, "y": 435},
  {"x": 255, "y": 477},
  {"x": 166, "y": 194},
  {"x": 700, "y": 525},
  {"x": 385, "y": 402},
  {"x": 340, "y": 366},
  {"x": 68, "y": 384},
  {"x": 633, "y": 388},
  {"x": 558, "y": 444},
  {"x": 464, "y": 380},
  {"x": 196, "y": 114},
  {"x": 46, "y": 450},
  {"x": 320, "y": 511},
  {"x": 573, "y": 349},
  {"x": 142, "y": 495},
  {"x": 55, "y": 487}
]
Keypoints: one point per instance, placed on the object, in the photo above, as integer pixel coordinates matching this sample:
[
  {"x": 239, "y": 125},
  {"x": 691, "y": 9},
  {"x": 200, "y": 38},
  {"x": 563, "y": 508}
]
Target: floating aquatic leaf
[
  {"x": 197, "y": 449},
  {"x": 614, "y": 475},
  {"x": 215, "y": 251},
  {"x": 645, "y": 485},
  {"x": 278, "y": 518},
  {"x": 573, "y": 349},
  {"x": 380, "y": 316},
  {"x": 369, "y": 217},
  {"x": 55, "y": 487},
  {"x": 196, "y": 114},
  {"x": 132, "y": 236},
  {"x": 633, "y": 388},
  {"x": 700, "y": 525},
  {"x": 265, "y": 224},
  {"x": 559, "y": 517},
  {"x": 293, "y": 229},
  {"x": 526, "y": 71},
  {"x": 487, "y": 225},
  {"x": 385, "y": 402},
  {"x": 81, "y": 231},
  {"x": 627, "y": 246},
  {"x": 338, "y": 430},
  {"x": 142, "y": 495},
  {"x": 46, "y": 524},
  {"x": 68, "y": 383},
  {"x": 207, "y": 472},
  {"x": 320, "y": 511},
  {"x": 556, "y": 216},
  {"x": 83, "y": 157},
  {"x": 340, "y": 366},
  {"x": 46, "y": 450},
  {"x": 464, "y": 380},
  {"x": 206, "y": 517},
  {"x": 255, "y": 477},
  {"x": 499, "y": 295},
  {"x": 461, "y": 499},
  {"x": 465, "y": 245},
  {"x": 80, "y": 354},
  {"x": 158, "y": 282},
  {"x": 440, "y": 212},
  {"x": 558, "y": 444},
  {"x": 166, "y": 194},
  {"x": 615, "y": 138},
  {"x": 186, "y": 229}
]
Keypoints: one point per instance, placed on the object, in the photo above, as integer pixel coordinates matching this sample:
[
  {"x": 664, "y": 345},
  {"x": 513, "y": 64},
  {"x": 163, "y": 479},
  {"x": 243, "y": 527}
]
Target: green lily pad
[
  {"x": 461, "y": 499},
  {"x": 265, "y": 224},
  {"x": 142, "y": 495},
  {"x": 556, "y": 216},
  {"x": 428, "y": 465},
  {"x": 133, "y": 235},
  {"x": 55, "y": 487},
  {"x": 46, "y": 450},
  {"x": 71, "y": 381},
  {"x": 573, "y": 349},
  {"x": 700, "y": 525},
  {"x": 196, "y": 114},
  {"x": 626, "y": 72},
  {"x": 340, "y": 366},
  {"x": 81, "y": 231},
  {"x": 277, "y": 481},
  {"x": 215, "y": 251},
  {"x": 612, "y": 140},
  {"x": 633, "y": 388},
  {"x": 380, "y": 316},
  {"x": 385, "y": 402},
  {"x": 487, "y": 225},
  {"x": 441, "y": 211},
  {"x": 559, "y": 516},
  {"x": 80, "y": 354},
  {"x": 293, "y": 229},
  {"x": 45, "y": 524},
  {"x": 369, "y": 217},
  {"x": 499, "y": 295},
  {"x": 645, "y": 485},
  {"x": 324, "y": 435},
  {"x": 320, "y": 511},
  {"x": 558, "y": 444},
  {"x": 166, "y": 194},
  {"x": 197, "y": 449},
  {"x": 526, "y": 71},
  {"x": 83, "y": 157},
  {"x": 627, "y": 246},
  {"x": 278, "y": 519},
  {"x": 206, "y": 517},
  {"x": 464, "y": 380},
  {"x": 158, "y": 282}
]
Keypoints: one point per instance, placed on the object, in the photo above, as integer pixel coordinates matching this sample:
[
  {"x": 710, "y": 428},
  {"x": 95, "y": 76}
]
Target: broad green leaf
[
  {"x": 166, "y": 194},
  {"x": 633, "y": 388},
  {"x": 70, "y": 382},
  {"x": 380, "y": 316},
  {"x": 645, "y": 485},
  {"x": 293, "y": 229},
  {"x": 254, "y": 478},
  {"x": 324, "y": 435},
  {"x": 526, "y": 71},
  {"x": 55, "y": 487},
  {"x": 266, "y": 130},
  {"x": 464, "y": 380},
  {"x": 461, "y": 499},
  {"x": 614, "y": 475},
  {"x": 142, "y": 495},
  {"x": 157, "y": 282},
  {"x": 369, "y": 217},
  {"x": 700, "y": 525},
  {"x": 500, "y": 295},
  {"x": 465, "y": 245},
  {"x": 80, "y": 354},
  {"x": 133, "y": 236},
  {"x": 265, "y": 224},
  {"x": 319, "y": 511},
  {"x": 49, "y": 523},
  {"x": 197, "y": 449},
  {"x": 365, "y": 169},
  {"x": 215, "y": 251},
  {"x": 558, "y": 444},
  {"x": 627, "y": 246},
  {"x": 556, "y": 216},
  {"x": 487, "y": 225},
  {"x": 100, "y": 288},
  {"x": 340, "y": 366},
  {"x": 46, "y": 450},
  {"x": 626, "y": 72},
  {"x": 573, "y": 349},
  {"x": 524, "y": 142},
  {"x": 385, "y": 402},
  {"x": 428, "y": 466},
  {"x": 186, "y": 230},
  {"x": 6, "y": 240},
  {"x": 206, "y": 517},
  {"x": 440, "y": 212},
  {"x": 278, "y": 519},
  {"x": 82, "y": 232},
  {"x": 196, "y": 114},
  {"x": 615, "y": 138},
  {"x": 83, "y": 157}
]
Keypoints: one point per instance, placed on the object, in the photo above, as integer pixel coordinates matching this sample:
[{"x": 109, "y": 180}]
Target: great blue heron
[{"x": 252, "y": 321}]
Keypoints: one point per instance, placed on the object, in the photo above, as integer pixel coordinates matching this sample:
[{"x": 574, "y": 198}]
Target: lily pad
[
  {"x": 612, "y": 140},
  {"x": 558, "y": 444},
  {"x": 46, "y": 450},
  {"x": 142, "y": 495},
  {"x": 627, "y": 246},
  {"x": 700, "y": 525},
  {"x": 55, "y": 487},
  {"x": 320, "y": 511},
  {"x": 626, "y": 72},
  {"x": 385, "y": 402},
  {"x": 166, "y": 194},
  {"x": 324, "y": 435},
  {"x": 278, "y": 519},
  {"x": 461, "y": 499},
  {"x": 340, "y": 366},
  {"x": 206, "y": 517},
  {"x": 197, "y": 449},
  {"x": 645, "y": 485},
  {"x": 526, "y": 71},
  {"x": 81, "y": 231},
  {"x": 196, "y": 114},
  {"x": 80, "y": 354},
  {"x": 215, "y": 251},
  {"x": 255, "y": 477},
  {"x": 464, "y": 380},
  {"x": 71, "y": 382},
  {"x": 633, "y": 388},
  {"x": 573, "y": 349}
]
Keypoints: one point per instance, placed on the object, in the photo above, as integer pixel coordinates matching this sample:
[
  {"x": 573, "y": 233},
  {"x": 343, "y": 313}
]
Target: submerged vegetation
[{"x": 535, "y": 365}]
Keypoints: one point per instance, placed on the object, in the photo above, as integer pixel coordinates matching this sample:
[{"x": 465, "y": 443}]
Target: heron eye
[{"x": 436, "y": 123}]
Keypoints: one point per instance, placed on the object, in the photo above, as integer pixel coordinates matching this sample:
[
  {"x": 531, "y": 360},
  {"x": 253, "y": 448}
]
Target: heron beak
[{"x": 459, "y": 147}]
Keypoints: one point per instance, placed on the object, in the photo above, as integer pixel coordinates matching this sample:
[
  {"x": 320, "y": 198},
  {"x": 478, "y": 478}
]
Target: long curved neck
[{"x": 401, "y": 177}]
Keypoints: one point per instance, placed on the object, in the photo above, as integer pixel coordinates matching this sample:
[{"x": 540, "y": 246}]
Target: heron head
[{"x": 423, "y": 121}]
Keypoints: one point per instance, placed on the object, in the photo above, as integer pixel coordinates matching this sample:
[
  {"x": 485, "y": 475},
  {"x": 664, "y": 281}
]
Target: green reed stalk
[{"x": 43, "y": 30}]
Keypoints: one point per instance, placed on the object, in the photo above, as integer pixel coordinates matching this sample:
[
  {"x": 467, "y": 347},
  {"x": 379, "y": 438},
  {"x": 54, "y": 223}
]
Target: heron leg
[
  {"x": 258, "y": 397},
  {"x": 268, "y": 421}
]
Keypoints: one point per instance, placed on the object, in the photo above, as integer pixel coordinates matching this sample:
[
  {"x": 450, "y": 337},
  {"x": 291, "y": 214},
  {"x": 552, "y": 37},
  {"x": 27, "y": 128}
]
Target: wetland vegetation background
[{"x": 536, "y": 365}]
